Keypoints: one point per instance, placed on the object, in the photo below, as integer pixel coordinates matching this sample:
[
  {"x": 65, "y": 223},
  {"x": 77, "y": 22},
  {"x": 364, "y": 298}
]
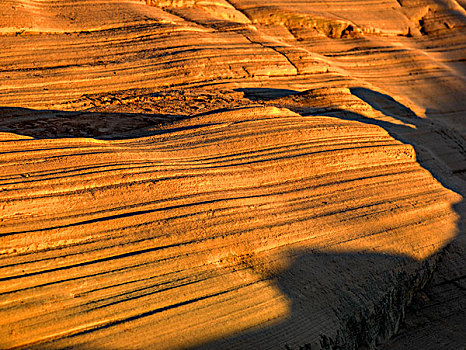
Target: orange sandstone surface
[{"x": 232, "y": 174}]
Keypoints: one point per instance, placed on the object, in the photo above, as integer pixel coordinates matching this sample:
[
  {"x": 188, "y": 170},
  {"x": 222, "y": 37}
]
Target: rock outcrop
[{"x": 229, "y": 174}]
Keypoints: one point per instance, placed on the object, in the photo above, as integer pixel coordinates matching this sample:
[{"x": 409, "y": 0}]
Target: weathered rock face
[
  {"x": 440, "y": 306},
  {"x": 225, "y": 174},
  {"x": 213, "y": 225}
]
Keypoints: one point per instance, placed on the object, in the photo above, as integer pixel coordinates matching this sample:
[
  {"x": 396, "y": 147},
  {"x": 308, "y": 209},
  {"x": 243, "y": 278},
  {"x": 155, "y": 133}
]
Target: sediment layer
[{"x": 224, "y": 174}]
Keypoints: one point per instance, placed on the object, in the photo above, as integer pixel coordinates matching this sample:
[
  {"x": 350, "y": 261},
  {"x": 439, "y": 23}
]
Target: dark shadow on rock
[
  {"x": 383, "y": 103},
  {"x": 338, "y": 301},
  {"x": 428, "y": 138},
  {"x": 51, "y": 124},
  {"x": 257, "y": 94}
]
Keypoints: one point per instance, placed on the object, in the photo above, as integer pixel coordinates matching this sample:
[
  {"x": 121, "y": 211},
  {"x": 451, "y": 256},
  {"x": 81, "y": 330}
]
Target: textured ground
[{"x": 229, "y": 174}]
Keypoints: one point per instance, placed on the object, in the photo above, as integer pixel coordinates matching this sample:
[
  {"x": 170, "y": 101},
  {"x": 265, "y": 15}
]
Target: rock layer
[
  {"x": 191, "y": 224},
  {"x": 225, "y": 174}
]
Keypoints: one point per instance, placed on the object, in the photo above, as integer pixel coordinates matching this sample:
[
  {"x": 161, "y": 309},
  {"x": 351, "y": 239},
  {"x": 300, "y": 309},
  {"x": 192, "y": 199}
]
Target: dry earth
[{"x": 232, "y": 174}]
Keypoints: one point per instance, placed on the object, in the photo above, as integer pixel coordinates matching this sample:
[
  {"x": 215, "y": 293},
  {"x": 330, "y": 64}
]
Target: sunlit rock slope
[{"x": 229, "y": 174}]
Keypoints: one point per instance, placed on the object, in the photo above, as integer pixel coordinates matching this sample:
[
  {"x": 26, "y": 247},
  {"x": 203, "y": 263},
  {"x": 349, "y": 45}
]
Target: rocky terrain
[{"x": 232, "y": 174}]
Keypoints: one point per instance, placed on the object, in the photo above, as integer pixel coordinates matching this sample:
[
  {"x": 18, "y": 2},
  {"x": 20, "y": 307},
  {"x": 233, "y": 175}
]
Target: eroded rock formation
[{"x": 228, "y": 174}]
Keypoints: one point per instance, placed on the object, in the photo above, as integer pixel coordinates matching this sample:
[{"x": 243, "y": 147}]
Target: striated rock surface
[{"x": 231, "y": 174}]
